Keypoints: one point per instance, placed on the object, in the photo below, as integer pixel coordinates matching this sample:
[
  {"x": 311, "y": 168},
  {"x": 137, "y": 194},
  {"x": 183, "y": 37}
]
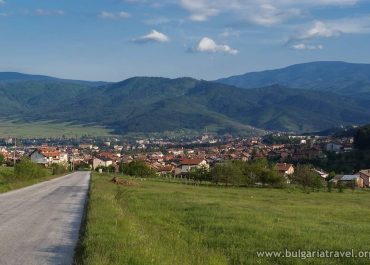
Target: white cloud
[
  {"x": 113, "y": 16},
  {"x": 44, "y": 12},
  {"x": 210, "y": 46},
  {"x": 303, "y": 46},
  {"x": 201, "y": 10},
  {"x": 319, "y": 29},
  {"x": 261, "y": 12},
  {"x": 153, "y": 36}
]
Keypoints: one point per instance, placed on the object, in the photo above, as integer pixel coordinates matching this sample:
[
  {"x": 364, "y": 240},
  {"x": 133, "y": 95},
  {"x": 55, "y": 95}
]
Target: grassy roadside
[
  {"x": 165, "y": 223},
  {"x": 6, "y": 185}
]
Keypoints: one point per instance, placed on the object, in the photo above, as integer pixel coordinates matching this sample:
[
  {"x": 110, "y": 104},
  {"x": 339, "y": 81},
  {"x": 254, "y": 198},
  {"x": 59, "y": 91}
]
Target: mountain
[
  {"x": 337, "y": 77},
  {"x": 147, "y": 104},
  {"x": 14, "y": 77}
]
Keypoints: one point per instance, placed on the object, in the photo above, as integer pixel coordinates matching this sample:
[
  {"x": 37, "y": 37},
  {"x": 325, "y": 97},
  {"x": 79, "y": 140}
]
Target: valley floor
[{"x": 154, "y": 222}]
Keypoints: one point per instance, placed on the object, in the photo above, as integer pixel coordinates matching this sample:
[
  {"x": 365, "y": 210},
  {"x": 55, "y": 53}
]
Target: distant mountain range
[
  {"x": 301, "y": 98},
  {"x": 337, "y": 77}
]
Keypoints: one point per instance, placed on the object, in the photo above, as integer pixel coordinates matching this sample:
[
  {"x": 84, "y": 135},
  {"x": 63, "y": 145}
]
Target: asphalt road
[{"x": 39, "y": 225}]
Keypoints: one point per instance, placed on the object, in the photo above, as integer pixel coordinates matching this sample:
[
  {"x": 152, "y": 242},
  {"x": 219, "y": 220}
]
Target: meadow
[
  {"x": 156, "y": 222},
  {"x": 48, "y": 129}
]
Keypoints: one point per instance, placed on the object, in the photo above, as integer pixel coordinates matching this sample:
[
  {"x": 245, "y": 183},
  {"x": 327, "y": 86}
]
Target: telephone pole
[{"x": 15, "y": 149}]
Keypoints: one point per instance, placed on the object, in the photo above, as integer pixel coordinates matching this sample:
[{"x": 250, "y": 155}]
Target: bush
[
  {"x": 200, "y": 174},
  {"x": 138, "y": 169},
  {"x": 59, "y": 169},
  {"x": 2, "y": 159},
  {"x": 26, "y": 169}
]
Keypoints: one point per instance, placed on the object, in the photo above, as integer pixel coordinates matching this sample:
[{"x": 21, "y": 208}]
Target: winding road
[{"x": 39, "y": 225}]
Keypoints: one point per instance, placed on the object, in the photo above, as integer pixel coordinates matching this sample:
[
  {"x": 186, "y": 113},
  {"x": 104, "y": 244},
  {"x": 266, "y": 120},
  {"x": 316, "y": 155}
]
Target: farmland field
[
  {"x": 155, "y": 222},
  {"x": 48, "y": 129}
]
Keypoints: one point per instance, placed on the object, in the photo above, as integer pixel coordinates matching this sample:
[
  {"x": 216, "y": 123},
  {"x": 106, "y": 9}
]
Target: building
[
  {"x": 101, "y": 162},
  {"x": 166, "y": 170},
  {"x": 322, "y": 174},
  {"x": 365, "y": 175},
  {"x": 187, "y": 164},
  {"x": 333, "y": 147},
  {"x": 47, "y": 156},
  {"x": 349, "y": 180},
  {"x": 285, "y": 169}
]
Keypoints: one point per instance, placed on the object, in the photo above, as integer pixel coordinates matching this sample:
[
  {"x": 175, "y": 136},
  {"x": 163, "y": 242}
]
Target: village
[{"x": 178, "y": 157}]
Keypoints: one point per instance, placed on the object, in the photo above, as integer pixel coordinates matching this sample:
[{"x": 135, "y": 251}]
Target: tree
[
  {"x": 230, "y": 172},
  {"x": 329, "y": 185},
  {"x": 137, "y": 169},
  {"x": 200, "y": 174},
  {"x": 2, "y": 159},
  {"x": 362, "y": 138},
  {"x": 261, "y": 171},
  {"x": 305, "y": 176}
]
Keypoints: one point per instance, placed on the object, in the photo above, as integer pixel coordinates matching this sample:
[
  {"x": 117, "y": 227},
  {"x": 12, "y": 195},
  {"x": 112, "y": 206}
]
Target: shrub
[
  {"x": 26, "y": 169},
  {"x": 59, "y": 169},
  {"x": 138, "y": 169},
  {"x": 2, "y": 159}
]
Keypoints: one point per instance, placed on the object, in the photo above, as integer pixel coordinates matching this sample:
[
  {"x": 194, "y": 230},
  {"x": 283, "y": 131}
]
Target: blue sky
[{"x": 116, "y": 39}]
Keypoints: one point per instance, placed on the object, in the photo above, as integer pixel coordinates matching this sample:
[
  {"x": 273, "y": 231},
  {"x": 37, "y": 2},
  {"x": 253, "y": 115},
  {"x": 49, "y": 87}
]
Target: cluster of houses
[{"x": 178, "y": 159}]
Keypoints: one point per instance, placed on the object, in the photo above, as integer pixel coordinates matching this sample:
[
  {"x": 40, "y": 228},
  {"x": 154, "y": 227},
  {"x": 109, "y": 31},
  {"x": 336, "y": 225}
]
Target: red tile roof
[
  {"x": 283, "y": 166},
  {"x": 191, "y": 161}
]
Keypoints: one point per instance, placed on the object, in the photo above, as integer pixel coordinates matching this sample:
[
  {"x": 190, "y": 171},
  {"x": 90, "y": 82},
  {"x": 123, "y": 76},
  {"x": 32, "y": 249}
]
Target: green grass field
[
  {"x": 48, "y": 129},
  {"x": 163, "y": 223},
  {"x": 6, "y": 185}
]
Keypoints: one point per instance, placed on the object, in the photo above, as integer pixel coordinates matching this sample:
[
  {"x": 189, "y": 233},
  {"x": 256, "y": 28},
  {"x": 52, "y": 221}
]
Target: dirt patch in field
[{"x": 124, "y": 182}]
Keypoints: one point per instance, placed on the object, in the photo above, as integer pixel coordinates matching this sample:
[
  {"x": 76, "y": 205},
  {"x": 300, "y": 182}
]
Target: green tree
[
  {"x": 305, "y": 176},
  {"x": 2, "y": 159},
  {"x": 137, "y": 169},
  {"x": 229, "y": 173},
  {"x": 362, "y": 138},
  {"x": 260, "y": 171},
  {"x": 329, "y": 185},
  {"x": 200, "y": 174}
]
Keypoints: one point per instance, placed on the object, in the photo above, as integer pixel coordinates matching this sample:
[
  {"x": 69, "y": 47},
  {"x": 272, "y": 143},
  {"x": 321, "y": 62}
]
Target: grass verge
[
  {"x": 6, "y": 185},
  {"x": 166, "y": 223}
]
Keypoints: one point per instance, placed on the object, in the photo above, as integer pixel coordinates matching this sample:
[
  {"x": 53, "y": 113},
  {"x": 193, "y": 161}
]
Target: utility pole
[
  {"x": 15, "y": 149},
  {"x": 72, "y": 161}
]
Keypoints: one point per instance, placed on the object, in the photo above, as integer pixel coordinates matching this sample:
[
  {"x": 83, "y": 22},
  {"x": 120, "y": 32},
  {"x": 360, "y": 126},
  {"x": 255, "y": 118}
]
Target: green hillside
[
  {"x": 152, "y": 105},
  {"x": 338, "y": 77}
]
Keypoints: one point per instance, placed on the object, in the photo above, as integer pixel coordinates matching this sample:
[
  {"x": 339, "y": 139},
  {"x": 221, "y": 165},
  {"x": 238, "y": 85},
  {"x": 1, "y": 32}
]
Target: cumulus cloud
[
  {"x": 44, "y": 12},
  {"x": 303, "y": 46},
  {"x": 153, "y": 36},
  {"x": 114, "y": 16},
  {"x": 210, "y": 46}
]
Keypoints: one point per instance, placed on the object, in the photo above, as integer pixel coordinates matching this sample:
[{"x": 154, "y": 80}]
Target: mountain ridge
[
  {"x": 335, "y": 76},
  {"x": 157, "y": 104}
]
